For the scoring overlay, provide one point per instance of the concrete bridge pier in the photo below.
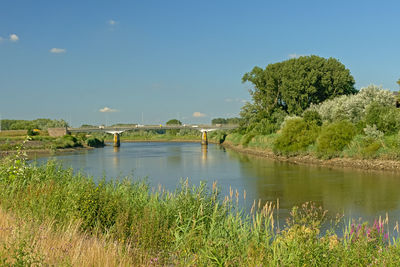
(117, 142)
(204, 140)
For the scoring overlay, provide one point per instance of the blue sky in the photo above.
(176, 59)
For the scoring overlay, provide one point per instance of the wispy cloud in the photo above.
(1, 39)
(238, 100)
(198, 114)
(112, 22)
(58, 50)
(107, 109)
(294, 55)
(14, 37)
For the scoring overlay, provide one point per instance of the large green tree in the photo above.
(292, 85)
(174, 122)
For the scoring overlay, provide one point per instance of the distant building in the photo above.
(57, 132)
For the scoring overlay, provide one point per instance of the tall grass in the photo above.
(191, 226)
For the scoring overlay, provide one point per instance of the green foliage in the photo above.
(312, 117)
(94, 142)
(41, 124)
(386, 118)
(296, 136)
(217, 136)
(262, 126)
(88, 126)
(353, 107)
(334, 137)
(81, 137)
(234, 121)
(174, 122)
(364, 147)
(294, 84)
(31, 132)
(67, 141)
(191, 226)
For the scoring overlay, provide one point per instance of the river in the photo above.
(354, 193)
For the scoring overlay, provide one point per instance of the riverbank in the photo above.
(34, 146)
(364, 164)
(48, 212)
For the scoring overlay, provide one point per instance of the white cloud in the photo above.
(107, 109)
(294, 55)
(1, 39)
(112, 22)
(58, 50)
(14, 37)
(198, 114)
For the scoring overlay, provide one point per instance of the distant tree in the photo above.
(225, 121)
(42, 124)
(88, 126)
(398, 82)
(218, 121)
(174, 122)
(293, 85)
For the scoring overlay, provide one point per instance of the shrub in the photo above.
(217, 136)
(247, 138)
(353, 107)
(81, 136)
(296, 136)
(372, 132)
(94, 142)
(31, 132)
(265, 124)
(67, 141)
(386, 118)
(334, 137)
(312, 116)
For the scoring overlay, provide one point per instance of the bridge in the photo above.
(116, 131)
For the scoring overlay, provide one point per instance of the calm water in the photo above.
(352, 192)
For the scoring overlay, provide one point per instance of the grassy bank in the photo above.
(359, 153)
(11, 141)
(50, 213)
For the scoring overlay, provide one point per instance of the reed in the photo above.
(69, 219)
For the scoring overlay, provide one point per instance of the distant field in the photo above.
(13, 133)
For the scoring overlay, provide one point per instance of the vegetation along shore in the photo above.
(52, 216)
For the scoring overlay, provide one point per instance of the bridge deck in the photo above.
(153, 127)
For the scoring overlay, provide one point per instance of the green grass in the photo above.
(191, 226)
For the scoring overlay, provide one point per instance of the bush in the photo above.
(81, 136)
(94, 142)
(247, 138)
(312, 116)
(264, 125)
(67, 141)
(217, 136)
(31, 132)
(334, 137)
(296, 136)
(353, 107)
(386, 118)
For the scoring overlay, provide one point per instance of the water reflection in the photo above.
(204, 152)
(352, 192)
(115, 158)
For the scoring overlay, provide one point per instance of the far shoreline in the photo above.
(353, 163)
(348, 163)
